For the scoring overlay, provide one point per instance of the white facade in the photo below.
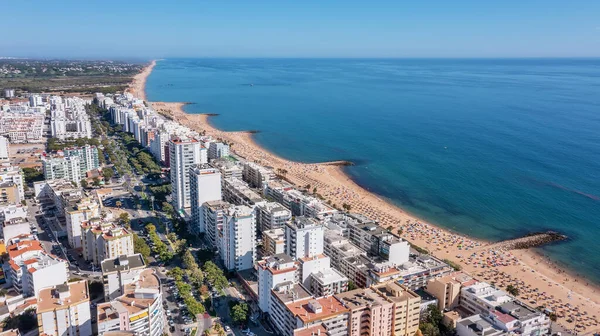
(102, 241)
(68, 118)
(271, 215)
(62, 168)
(205, 186)
(184, 154)
(217, 150)
(13, 174)
(272, 272)
(237, 238)
(482, 297)
(304, 238)
(4, 148)
(213, 215)
(88, 157)
(64, 310)
(84, 210)
(256, 174)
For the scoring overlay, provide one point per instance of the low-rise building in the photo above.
(120, 272)
(64, 310)
(256, 175)
(13, 174)
(9, 193)
(481, 297)
(447, 289)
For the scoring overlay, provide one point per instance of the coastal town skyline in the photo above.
(311, 29)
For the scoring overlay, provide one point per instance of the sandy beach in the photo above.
(541, 283)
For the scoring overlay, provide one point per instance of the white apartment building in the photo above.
(31, 268)
(184, 153)
(237, 238)
(4, 148)
(256, 174)
(273, 242)
(88, 157)
(158, 145)
(15, 227)
(139, 309)
(511, 318)
(481, 297)
(304, 238)
(104, 240)
(62, 167)
(64, 310)
(13, 174)
(271, 215)
(217, 150)
(228, 168)
(84, 210)
(9, 93)
(10, 211)
(272, 272)
(237, 192)
(205, 186)
(68, 118)
(213, 213)
(120, 272)
(22, 124)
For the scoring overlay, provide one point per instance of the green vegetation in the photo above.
(452, 264)
(32, 175)
(161, 191)
(194, 273)
(124, 219)
(351, 285)
(419, 249)
(185, 291)
(239, 312)
(55, 144)
(433, 324)
(140, 246)
(96, 289)
(66, 75)
(161, 248)
(512, 290)
(215, 276)
(24, 322)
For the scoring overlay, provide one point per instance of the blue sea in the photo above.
(490, 148)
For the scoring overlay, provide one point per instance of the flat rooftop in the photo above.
(290, 292)
(312, 310)
(72, 293)
(359, 298)
(122, 263)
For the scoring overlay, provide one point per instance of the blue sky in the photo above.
(302, 28)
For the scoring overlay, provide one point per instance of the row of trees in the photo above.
(159, 246)
(185, 291)
(215, 276)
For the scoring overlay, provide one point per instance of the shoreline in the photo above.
(489, 263)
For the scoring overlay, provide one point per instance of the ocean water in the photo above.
(490, 148)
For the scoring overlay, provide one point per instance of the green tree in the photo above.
(512, 290)
(25, 322)
(84, 183)
(96, 182)
(96, 289)
(239, 313)
(140, 246)
(124, 219)
(108, 173)
(32, 175)
(351, 285)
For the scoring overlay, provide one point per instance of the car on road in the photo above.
(227, 329)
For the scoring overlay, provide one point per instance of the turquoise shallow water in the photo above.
(490, 148)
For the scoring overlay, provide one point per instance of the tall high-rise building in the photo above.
(237, 238)
(184, 153)
(88, 157)
(4, 148)
(272, 271)
(271, 215)
(84, 210)
(304, 238)
(213, 215)
(68, 168)
(205, 185)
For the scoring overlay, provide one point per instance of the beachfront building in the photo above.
(139, 309)
(100, 241)
(13, 174)
(447, 289)
(256, 175)
(88, 157)
(236, 240)
(386, 309)
(217, 150)
(4, 148)
(80, 211)
(236, 191)
(31, 268)
(213, 215)
(271, 215)
(65, 309)
(184, 153)
(273, 242)
(205, 186)
(62, 167)
(304, 238)
(228, 168)
(510, 318)
(273, 271)
(481, 297)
